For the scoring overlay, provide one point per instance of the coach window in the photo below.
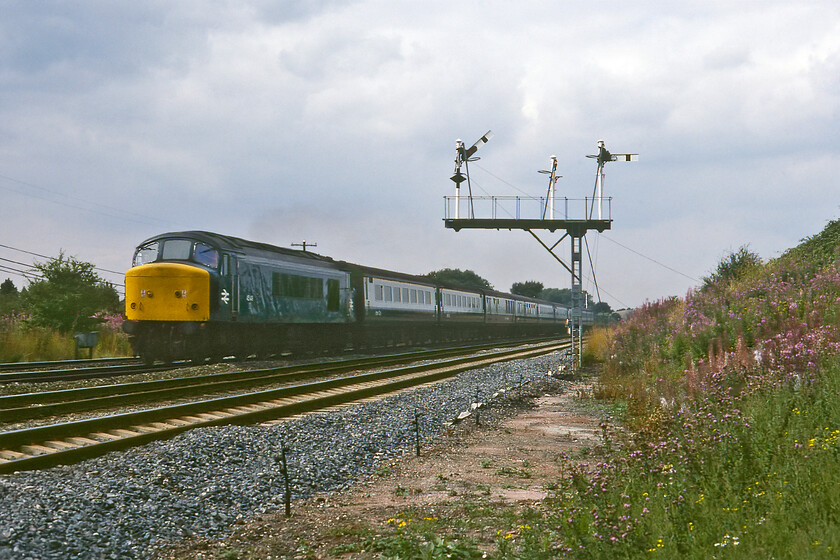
(388, 293)
(333, 295)
(405, 295)
(397, 294)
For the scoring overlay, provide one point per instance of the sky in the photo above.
(335, 123)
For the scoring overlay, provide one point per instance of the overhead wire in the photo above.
(598, 289)
(16, 272)
(31, 272)
(51, 258)
(18, 262)
(594, 281)
(665, 266)
(511, 185)
(88, 206)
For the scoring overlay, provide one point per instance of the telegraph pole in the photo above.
(304, 244)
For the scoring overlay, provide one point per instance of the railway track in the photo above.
(72, 370)
(67, 442)
(74, 373)
(29, 406)
(6, 367)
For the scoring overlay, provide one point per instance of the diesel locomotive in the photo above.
(198, 295)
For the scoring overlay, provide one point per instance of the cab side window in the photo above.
(206, 255)
(146, 253)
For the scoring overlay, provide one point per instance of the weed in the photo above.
(731, 450)
(20, 340)
(484, 489)
(513, 472)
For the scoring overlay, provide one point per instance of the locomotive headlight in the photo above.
(149, 293)
(194, 306)
(133, 305)
(180, 293)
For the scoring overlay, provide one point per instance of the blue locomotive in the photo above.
(198, 295)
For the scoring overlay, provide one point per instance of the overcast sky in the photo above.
(335, 122)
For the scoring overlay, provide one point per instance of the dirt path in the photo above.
(507, 458)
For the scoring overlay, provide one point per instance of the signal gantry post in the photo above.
(549, 213)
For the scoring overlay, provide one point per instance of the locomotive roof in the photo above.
(238, 244)
(230, 243)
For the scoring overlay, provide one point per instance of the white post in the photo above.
(459, 159)
(599, 178)
(551, 188)
(600, 194)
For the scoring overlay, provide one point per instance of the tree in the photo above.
(557, 295)
(563, 296)
(68, 295)
(602, 307)
(7, 288)
(9, 298)
(458, 277)
(733, 267)
(530, 288)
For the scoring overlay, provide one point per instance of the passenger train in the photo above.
(198, 295)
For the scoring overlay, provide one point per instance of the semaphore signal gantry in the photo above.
(573, 216)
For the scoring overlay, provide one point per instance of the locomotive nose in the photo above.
(167, 292)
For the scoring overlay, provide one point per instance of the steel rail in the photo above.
(17, 366)
(27, 406)
(74, 374)
(44, 446)
(13, 375)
